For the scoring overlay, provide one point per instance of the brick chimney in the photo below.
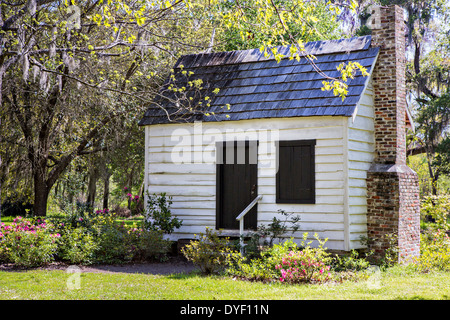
(393, 206)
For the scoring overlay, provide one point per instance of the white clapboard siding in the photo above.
(361, 143)
(182, 165)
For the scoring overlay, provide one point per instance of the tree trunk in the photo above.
(41, 192)
(106, 191)
(434, 182)
(92, 189)
(129, 199)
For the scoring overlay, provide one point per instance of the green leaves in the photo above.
(348, 70)
(210, 252)
(266, 24)
(159, 216)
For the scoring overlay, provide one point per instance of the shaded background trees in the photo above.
(75, 76)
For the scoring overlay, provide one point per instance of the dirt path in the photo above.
(173, 266)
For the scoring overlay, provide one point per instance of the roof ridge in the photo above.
(253, 55)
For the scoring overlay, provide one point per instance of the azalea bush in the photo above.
(309, 265)
(134, 202)
(27, 242)
(289, 263)
(262, 267)
(96, 238)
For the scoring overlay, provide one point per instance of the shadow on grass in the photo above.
(173, 267)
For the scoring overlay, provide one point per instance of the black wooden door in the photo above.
(236, 184)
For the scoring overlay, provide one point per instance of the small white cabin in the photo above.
(270, 131)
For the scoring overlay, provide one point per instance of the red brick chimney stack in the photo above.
(393, 207)
(388, 33)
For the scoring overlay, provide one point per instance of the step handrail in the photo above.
(240, 218)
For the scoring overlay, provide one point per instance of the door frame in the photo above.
(220, 178)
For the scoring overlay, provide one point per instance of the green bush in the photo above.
(263, 266)
(159, 216)
(27, 243)
(434, 252)
(148, 244)
(77, 246)
(210, 252)
(287, 262)
(117, 243)
(96, 239)
(113, 243)
(351, 262)
(438, 209)
(277, 229)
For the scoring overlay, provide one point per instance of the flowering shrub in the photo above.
(134, 202)
(288, 263)
(307, 265)
(95, 239)
(27, 243)
(103, 211)
(262, 267)
(310, 265)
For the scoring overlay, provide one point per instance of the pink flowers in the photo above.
(133, 198)
(130, 195)
(21, 225)
(302, 266)
(104, 211)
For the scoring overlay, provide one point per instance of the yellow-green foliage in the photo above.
(210, 252)
(434, 252)
(438, 208)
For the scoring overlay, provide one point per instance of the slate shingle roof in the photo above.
(258, 87)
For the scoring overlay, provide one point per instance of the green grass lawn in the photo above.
(394, 284)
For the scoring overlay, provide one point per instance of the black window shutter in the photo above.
(295, 180)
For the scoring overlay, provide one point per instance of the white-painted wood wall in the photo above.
(344, 151)
(361, 151)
